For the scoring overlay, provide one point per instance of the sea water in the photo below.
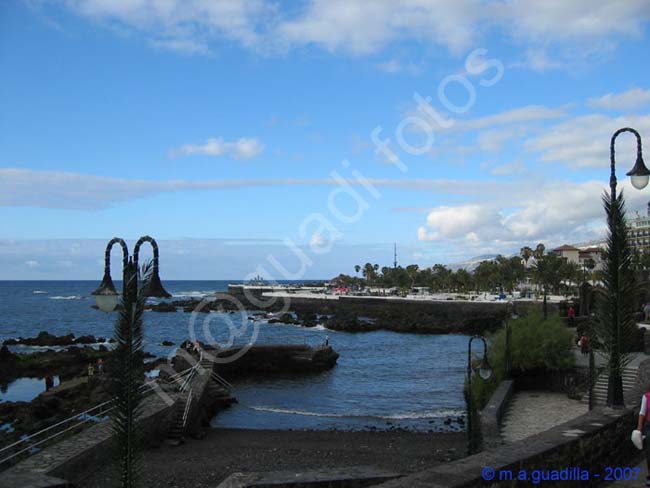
(383, 380)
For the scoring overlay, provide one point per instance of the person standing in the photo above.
(644, 426)
(572, 317)
(100, 366)
(584, 344)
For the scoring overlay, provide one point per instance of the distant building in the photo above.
(638, 231)
(570, 253)
(593, 253)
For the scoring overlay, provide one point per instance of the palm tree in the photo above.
(615, 324)
(412, 271)
(357, 268)
(539, 250)
(547, 271)
(127, 374)
(589, 264)
(526, 253)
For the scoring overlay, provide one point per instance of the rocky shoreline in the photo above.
(67, 357)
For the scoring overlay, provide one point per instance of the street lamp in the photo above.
(639, 176)
(485, 372)
(508, 358)
(106, 296)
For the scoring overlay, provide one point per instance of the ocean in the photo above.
(383, 380)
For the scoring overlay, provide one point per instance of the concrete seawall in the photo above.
(361, 314)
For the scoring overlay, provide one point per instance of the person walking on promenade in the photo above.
(100, 366)
(644, 427)
(584, 344)
(572, 317)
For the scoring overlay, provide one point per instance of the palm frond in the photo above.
(615, 325)
(127, 375)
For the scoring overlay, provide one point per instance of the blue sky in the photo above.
(221, 128)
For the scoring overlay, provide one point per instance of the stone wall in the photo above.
(493, 412)
(593, 441)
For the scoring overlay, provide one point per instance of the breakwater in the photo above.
(364, 314)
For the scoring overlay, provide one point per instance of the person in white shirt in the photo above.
(644, 427)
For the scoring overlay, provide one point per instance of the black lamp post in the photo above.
(484, 371)
(508, 358)
(106, 295)
(639, 176)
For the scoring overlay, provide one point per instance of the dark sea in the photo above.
(383, 380)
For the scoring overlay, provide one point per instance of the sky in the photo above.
(295, 139)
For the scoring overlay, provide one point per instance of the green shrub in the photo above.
(535, 344)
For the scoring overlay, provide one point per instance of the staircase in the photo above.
(628, 374)
(177, 429)
(217, 388)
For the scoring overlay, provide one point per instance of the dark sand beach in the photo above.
(207, 462)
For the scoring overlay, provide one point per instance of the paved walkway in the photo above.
(532, 412)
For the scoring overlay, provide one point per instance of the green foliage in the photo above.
(615, 326)
(535, 344)
(127, 375)
(496, 275)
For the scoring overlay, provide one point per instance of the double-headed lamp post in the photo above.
(639, 176)
(106, 296)
(484, 371)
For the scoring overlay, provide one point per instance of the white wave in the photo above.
(39, 292)
(194, 294)
(70, 297)
(398, 416)
(298, 412)
(424, 415)
(320, 327)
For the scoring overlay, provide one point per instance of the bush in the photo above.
(535, 344)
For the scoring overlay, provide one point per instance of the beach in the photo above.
(206, 462)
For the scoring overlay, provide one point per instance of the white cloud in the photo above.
(394, 66)
(359, 27)
(52, 189)
(555, 213)
(538, 59)
(583, 141)
(181, 23)
(31, 263)
(242, 148)
(571, 20)
(184, 46)
(519, 115)
(318, 241)
(454, 222)
(493, 140)
(630, 100)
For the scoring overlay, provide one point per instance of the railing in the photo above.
(221, 381)
(188, 403)
(29, 443)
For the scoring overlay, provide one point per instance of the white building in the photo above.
(638, 231)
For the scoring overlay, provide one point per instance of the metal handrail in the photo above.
(81, 417)
(222, 381)
(188, 402)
